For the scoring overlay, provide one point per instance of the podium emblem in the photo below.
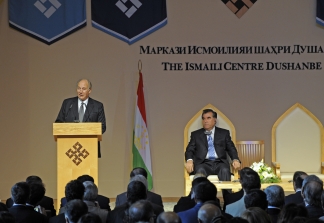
(239, 7)
(76, 153)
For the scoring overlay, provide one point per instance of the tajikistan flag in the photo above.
(141, 144)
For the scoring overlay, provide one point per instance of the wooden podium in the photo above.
(77, 152)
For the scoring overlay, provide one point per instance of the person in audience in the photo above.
(89, 198)
(168, 217)
(299, 220)
(230, 198)
(210, 213)
(74, 210)
(203, 192)
(136, 191)
(37, 192)
(298, 179)
(73, 190)
(141, 211)
(22, 213)
(152, 197)
(250, 180)
(312, 192)
(256, 198)
(102, 200)
(188, 202)
(322, 203)
(290, 211)
(90, 218)
(237, 220)
(3, 207)
(46, 202)
(276, 201)
(256, 215)
(6, 217)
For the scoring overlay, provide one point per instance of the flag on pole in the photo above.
(141, 144)
(320, 12)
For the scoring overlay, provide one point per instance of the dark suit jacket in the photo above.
(184, 203)
(58, 219)
(102, 200)
(231, 198)
(152, 197)
(314, 212)
(117, 215)
(198, 146)
(190, 216)
(94, 113)
(46, 203)
(295, 198)
(273, 213)
(26, 214)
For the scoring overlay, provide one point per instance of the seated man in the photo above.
(152, 197)
(256, 198)
(276, 201)
(141, 211)
(21, 212)
(207, 150)
(250, 181)
(74, 210)
(73, 190)
(45, 202)
(37, 191)
(312, 192)
(89, 198)
(102, 200)
(298, 179)
(210, 213)
(136, 191)
(204, 191)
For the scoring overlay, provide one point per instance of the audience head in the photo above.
(74, 190)
(244, 171)
(37, 192)
(168, 217)
(312, 192)
(74, 209)
(139, 178)
(298, 183)
(251, 180)
(138, 171)
(6, 217)
(90, 218)
(208, 213)
(85, 178)
(312, 178)
(205, 191)
(290, 211)
(256, 215)
(141, 211)
(275, 196)
(195, 182)
(33, 179)
(20, 193)
(256, 198)
(90, 192)
(136, 191)
(299, 220)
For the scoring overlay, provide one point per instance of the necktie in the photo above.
(211, 148)
(81, 112)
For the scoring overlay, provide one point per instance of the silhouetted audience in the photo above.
(90, 218)
(256, 198)
(6, 217)
(298, 179)
(312, 192)
(209, 213)
(141, 211)
(168, 217)
(74, 210)
(256, 215)
(21, 212)
(290, 212)
(276, 201)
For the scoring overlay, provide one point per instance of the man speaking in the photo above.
(82, 108)
(206, 151)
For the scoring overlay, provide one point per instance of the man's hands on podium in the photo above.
(236, 164)
(189, 166)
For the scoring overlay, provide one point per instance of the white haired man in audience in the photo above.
(90, 197)
(276, 201)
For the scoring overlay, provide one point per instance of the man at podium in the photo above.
(83, 108)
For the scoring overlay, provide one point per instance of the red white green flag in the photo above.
(141, 144)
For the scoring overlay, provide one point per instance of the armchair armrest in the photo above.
(276, 167)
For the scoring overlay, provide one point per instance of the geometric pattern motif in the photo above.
(239, 7)
(128, 11)
(76, 153)
(48, 12)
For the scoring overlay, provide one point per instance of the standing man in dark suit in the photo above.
(207, 149)
(82, 108)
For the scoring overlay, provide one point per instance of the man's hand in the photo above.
(236, 164)
(189, 166)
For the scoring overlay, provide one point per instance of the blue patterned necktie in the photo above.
(211, 148)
